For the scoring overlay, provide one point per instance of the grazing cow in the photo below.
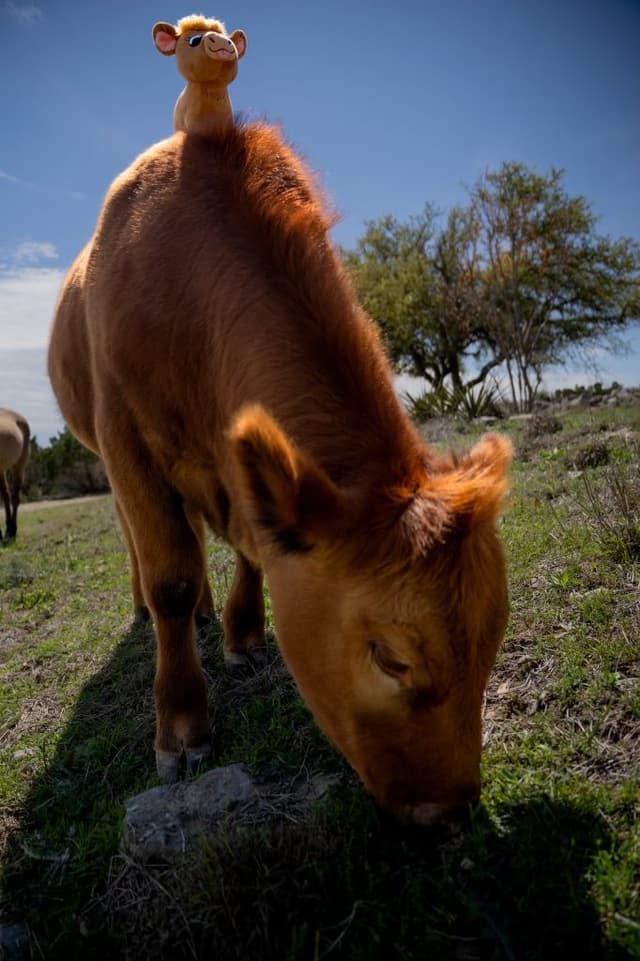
(14, 454)
(208, 345)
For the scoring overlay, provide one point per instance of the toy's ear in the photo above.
(165, 38)
(240, 40)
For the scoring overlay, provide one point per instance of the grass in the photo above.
(549, 864)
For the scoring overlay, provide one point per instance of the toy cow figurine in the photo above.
(208, 60)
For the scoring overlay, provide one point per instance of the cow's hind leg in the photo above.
(243, 613)
(141, 613)
(171, 570)
(4, 491)
(205, 609)
(14, 492)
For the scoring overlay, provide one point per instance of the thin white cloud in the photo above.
(27, 300)
(60, 191)
(5, 176)
(25, 14)
(29, 288)
(33, 251)
(25, 387)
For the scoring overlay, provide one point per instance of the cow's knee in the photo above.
(175, 599)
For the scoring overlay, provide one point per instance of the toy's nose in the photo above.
(219, 48)
(220, 43)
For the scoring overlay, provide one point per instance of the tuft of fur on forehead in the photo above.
(196, 21)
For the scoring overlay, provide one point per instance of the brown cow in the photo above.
(14, 454)
(209, 346)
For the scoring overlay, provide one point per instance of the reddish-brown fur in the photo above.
(208, 344)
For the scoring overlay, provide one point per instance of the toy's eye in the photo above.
(194, 41)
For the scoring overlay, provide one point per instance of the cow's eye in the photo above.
(385, 660)
(194, 41)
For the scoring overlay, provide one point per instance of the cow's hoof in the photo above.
(234, 661)
(196, 756)
(168, 766)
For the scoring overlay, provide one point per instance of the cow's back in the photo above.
(128, 330)
(211, 283)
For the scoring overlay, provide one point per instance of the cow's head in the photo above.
(389, 605)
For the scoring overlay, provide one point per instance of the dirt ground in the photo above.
(60, 502)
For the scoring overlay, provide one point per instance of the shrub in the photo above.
(595, 454)
(612, 510)
(544, 424)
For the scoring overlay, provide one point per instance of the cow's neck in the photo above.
(347, 416)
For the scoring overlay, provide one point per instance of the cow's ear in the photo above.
(288, 497)
(474, 490)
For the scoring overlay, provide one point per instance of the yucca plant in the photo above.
(431, 403)
(471, 402)
(480, 401)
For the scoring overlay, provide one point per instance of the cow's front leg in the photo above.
(171, 573)
(179, 688)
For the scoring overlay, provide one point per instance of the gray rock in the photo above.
(166, 821)
(521, 417)
(625, 396)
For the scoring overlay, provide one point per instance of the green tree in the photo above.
(552, 286)
(64, 467)
(422, 283)
(517, 277)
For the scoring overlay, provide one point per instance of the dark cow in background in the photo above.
(208, 345)
(14, 455)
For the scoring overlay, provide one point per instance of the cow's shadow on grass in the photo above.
(345, 884)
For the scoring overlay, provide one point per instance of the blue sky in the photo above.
(393, 105)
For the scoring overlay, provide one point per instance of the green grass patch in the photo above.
(547, 867)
